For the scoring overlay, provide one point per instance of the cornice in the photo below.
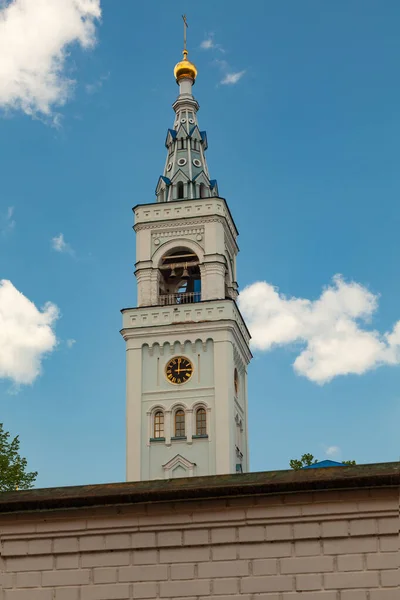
(183, 331)
(190, 222)
(188, 204)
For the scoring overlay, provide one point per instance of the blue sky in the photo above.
(304, 144)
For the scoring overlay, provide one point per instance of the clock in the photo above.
(179, 370)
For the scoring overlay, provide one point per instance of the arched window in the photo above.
(180, 190)
(158, 424)
(179, 277)
(180, 423)
(203, 191)
(201, 421)
(161, 196)
(182, 145)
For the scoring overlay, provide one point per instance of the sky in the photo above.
(300, 101)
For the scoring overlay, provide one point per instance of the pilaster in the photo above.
(133, 412)
(224, 408)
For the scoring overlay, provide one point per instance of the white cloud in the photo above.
(93, 88)
(207, 44)
(328, 329)
(7, 222)
(34, 39)
(70, 343)
(59, 244)
(332, 451)
(232, 78)
(26, 335)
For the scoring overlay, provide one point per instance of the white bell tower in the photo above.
(187, 344)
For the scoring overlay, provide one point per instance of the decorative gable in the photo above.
(204, 138)
(195, 134)
(202, 178)
(182, 132)
(214, 187)
(178, 467)
(180, 176)
(163, 182)
(171, 137)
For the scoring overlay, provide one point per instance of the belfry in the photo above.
(187, 344)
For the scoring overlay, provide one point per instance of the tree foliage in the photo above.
(305, 461)
(13, 467)
(308, 459)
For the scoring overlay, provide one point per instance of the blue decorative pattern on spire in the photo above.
(186, 161)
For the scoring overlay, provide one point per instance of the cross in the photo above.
(185, 26)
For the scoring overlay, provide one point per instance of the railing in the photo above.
(179, 298)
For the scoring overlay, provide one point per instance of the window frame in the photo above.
(180, 189)
(181, 413)
(201, 424)
(158, 427)
(236, 382)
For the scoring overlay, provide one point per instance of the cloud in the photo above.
(332, 451)
(328, 330)
(35, 36)
(207, 44)
(7, 223)
(93, 88)
(26, 335)
(59, 244)
(232, 78)
(70, 343)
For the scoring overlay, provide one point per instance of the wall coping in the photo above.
(217, 486)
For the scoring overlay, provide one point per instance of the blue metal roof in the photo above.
(325, 463)
(213, 183)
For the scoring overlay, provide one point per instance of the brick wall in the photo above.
(310, 546)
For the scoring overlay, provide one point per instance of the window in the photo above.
(180, 190)
(159, 424)
(236, 382)
(161, 196)
(203, 191)
(201, 421)
(180, 423)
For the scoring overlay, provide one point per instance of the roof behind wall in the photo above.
(218, 486)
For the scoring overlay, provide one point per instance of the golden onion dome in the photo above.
(185, 68)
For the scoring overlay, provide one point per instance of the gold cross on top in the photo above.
(185, 26)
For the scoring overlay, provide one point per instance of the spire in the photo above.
(186, 173)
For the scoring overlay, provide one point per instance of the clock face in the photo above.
(179, 370)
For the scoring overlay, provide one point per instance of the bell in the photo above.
(173, 274)
(185, 274)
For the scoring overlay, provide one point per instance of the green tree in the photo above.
(305, 461)
(13, 468)
(308, 459)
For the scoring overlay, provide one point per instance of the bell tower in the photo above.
(187, 344)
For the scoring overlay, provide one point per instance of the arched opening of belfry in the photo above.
(179, 277)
